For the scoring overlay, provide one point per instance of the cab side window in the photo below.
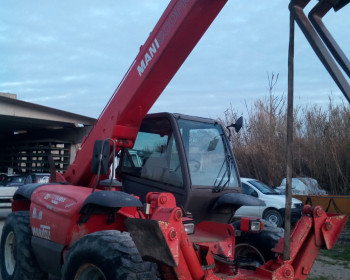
(248, 190)
(154, 155)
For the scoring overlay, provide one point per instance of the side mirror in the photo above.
(212, 145)
(237, 125)
(100, 157)
(255, 194)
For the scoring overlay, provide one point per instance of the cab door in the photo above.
(154, 163)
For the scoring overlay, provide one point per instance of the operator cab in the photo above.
(189, 157)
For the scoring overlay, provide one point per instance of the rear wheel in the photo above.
(106, 255)
(16, 256)
(274, 217)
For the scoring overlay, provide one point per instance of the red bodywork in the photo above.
(55, 213)
(207, 254)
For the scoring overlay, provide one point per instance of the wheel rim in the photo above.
(247, 250)
(273, 219)
(10, 249)
(90, 272)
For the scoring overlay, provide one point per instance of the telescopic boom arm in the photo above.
(175, 35)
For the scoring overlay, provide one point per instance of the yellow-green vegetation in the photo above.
(340, 254)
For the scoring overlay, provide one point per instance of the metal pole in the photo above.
(287, 223)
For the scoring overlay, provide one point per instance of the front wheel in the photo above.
(16, 255)
(106, 255)
(273, 216)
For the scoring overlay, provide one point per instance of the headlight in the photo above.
(189, 228)
(256, 226)
(251, 225)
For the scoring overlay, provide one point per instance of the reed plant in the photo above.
(321, 142)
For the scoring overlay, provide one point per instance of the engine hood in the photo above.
(280, 198)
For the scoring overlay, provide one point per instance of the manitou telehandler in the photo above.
(169, 214)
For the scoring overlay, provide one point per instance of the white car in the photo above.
(8, 186)
(6, 194)
(10, 183)
(274, 210)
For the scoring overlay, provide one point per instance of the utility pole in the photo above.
(287, 223)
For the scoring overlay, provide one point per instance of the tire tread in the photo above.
(26, 267)
(116, 255)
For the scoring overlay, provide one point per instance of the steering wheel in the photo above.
(193, 165)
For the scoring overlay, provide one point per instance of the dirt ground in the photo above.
(327, 267)
(324, 269)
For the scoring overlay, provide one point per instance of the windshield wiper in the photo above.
(217, 188)
(228, 161)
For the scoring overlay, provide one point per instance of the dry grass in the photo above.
(321, 143)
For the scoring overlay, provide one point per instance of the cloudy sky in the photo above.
(71, 55)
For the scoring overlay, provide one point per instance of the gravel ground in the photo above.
(324, 269)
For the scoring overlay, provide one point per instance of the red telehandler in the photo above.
(169, 214)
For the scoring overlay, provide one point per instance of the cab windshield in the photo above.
(209, 157)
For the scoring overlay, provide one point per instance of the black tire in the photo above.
(108, 255)
(274, 217)
(264, 241)
(17, 258)
(247, 256)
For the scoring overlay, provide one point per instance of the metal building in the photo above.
(29, 133)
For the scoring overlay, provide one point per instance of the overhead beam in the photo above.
(13, 107)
